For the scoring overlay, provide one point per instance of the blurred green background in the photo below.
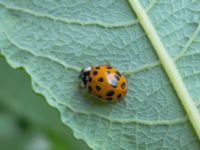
(27, 122)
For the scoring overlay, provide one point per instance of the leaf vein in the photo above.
(78, 22)
(188, 44)
(123, 121)
(44, 56)
(114, 120)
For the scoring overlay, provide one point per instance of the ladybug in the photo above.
(104, 82)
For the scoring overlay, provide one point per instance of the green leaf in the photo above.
(54, 40)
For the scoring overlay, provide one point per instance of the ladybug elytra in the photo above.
(104, 82)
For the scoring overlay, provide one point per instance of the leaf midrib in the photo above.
(168, 65)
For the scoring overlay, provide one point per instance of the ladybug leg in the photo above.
(125, 74)
(124, 101)
(82, 85)
(79, 87)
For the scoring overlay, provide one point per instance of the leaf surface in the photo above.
(54, 40)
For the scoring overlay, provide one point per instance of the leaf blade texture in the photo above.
(53, 41)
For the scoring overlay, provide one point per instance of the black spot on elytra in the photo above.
(108, 72)
(114, 86)
(123, 85)
(117, 77)
(98, 88)
(108, 67)
(119, 74)
(100, 79)
(99, 96)
(119, 96)
(110, 93)
(95, 73)
(109, 98)
(97, 67)
(89, 89)
(90, 79)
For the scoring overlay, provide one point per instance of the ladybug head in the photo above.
(84, 75)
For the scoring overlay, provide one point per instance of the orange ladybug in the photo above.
(104, 82)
